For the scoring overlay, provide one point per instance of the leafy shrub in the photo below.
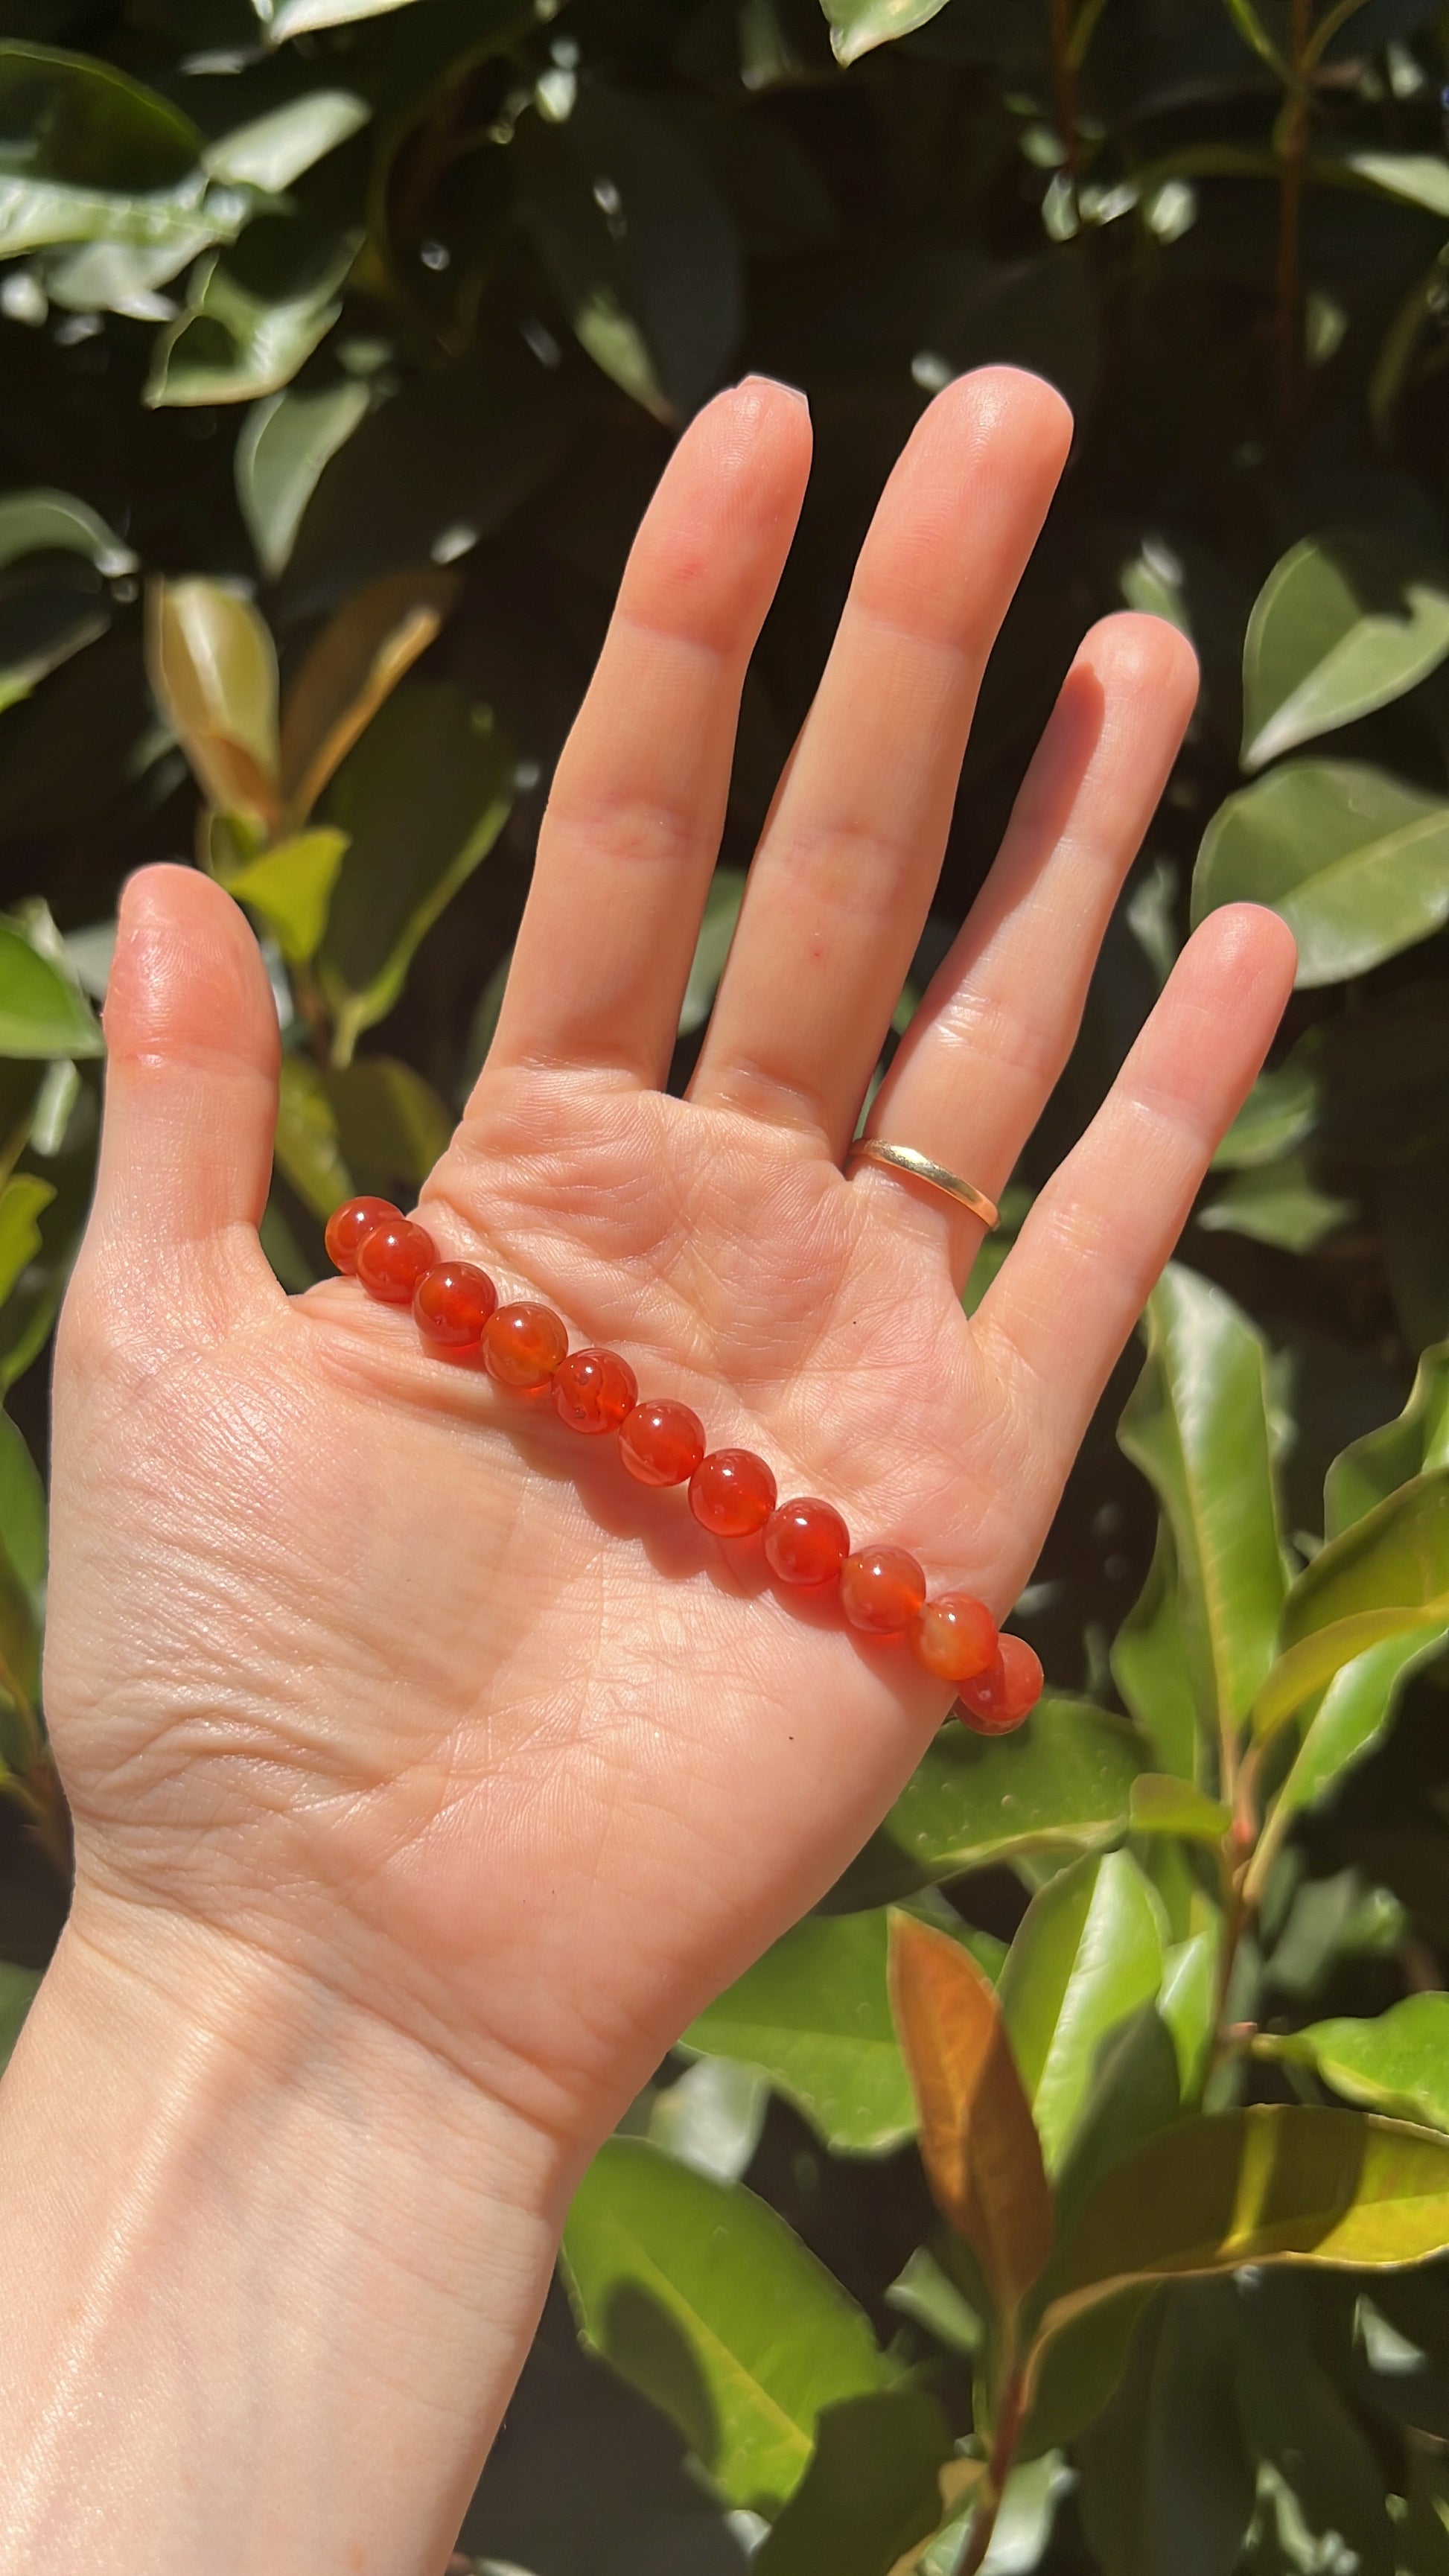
(344, 341)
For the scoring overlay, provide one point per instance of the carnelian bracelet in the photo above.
(732, 1492)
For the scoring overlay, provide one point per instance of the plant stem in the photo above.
(998, 2470)
(1292, 147)
(1064, 78)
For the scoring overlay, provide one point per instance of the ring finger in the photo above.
(997, 1024)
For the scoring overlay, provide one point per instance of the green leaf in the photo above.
(717, 929)
(46, 522)
(1060, 1782)
(213, 667)
(284, 444)
(1395, 1557)
(1263, 2185)
(1167, 2482)
(290, 885)
(1080, 2369)
(1372, 1468)
(1196, 1423)
(1353, 1714)
(1187, 2001)
(424, 797)
(1164, 1804)
(1343, 624)
(274, 150)
(978, 2144)
(1331, 1920)
(871, 2490)
(1422, 178)
(1356, 863)
(1134, 2091)
(22, 1511)
(814, 2016)
(42, 1013)
(1250, 27)
(86, 151)
(286, 18)
(306, 1146)
(703, 2299)
(253, 316)
(46, 616)
(1312, 1664)
(858, 26)
(926, 2292)
(712, 2117)
(1294, 2415)
(1280, 1112)
(1277, 1203)
(18, 1988)
(355, 663)
(1398, 2064)
(391, 1125)
(1150, 1662)
(21, 1201)
(1088, 1952)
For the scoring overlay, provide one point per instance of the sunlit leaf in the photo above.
(712, 2117)
(1342, 625)
(1394, 1557)
(1134, 2090)
(1398, 2064)
(978, 2142)
(1310, 1665)
(281, 451)
(1356, 863)
(274, 150)
(43, 522)
(1374, 1467)
(1150, 1662)
(254, 313)
(1353, 1713)
(857, 26)
(1060, 1782)
(716, 930)
(22, 1198)
(1088, 1952)
(391, 1125)
(87, 152)
(1277, 1203)
(814, 2015)
(355, 663)
(1420, 177)
(287, 18)
(1278, 1114)
(1187, 2001)
(213, 667)
(1164, 1804)
(290, 885)
(306, 1146)
(701, 2297)
(42, 1013)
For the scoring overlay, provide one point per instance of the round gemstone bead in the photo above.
(392, 1258)
(732, 1493)
(523, 1346)
(661, 1443)
(955, 1637)
(881, 1590)
(1002, 1696)
(594, 1390)
(349, 1226)
(451, 1304)
(806, 1541)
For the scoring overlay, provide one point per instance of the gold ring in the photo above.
(919, 1167)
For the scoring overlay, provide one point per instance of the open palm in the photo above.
(362, 1662)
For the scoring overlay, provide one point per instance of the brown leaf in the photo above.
(357, 660)
(978, 2142)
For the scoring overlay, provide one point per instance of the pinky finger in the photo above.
(1068, 1295)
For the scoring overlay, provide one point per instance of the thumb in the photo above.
(191, 1103)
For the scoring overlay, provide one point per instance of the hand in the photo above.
(359, 1665)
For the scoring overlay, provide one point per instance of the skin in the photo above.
(428, 1775)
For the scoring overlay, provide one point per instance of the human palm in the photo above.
(358, 1659)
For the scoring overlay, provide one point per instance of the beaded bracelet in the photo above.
(732, 1492)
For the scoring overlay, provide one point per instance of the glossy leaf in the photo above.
(1150, 1663)
(1355, 862)
(978, 2142)
(716, 930)
(1197, 1425)
(424, 796)
(284, 19)
(284, 444)
(1024, 2519)
(290, 885)
(1163, 1804)
(46, 522)
(926, 2292)
(1060, 1783)
(391, 1125)
(814, 2016)
(1343, 624)
(712, 2117)
(1088, 1952)
(42, 1013)
(858, 26)
(1308, 1667)
(1256, 2186)
(22, 1511)
(214, 670)
(1398, 2064)
(870, 2493)
(1187, 2001)
(1277, 1203)
(1279, 1113)
(1133, 2091)
(1296, 2416)
(703, 2299)
(274, 150)
(1395, 1557)
(87, 151)
(307, 1148)
(22, 1198)
(1374, 1467)
(1167, 2479)
(355, 663)
(1353, 1713)
(1420, 177)
(254, 314)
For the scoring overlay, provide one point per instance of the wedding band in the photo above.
(919, 1167)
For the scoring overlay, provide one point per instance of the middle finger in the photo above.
(845, 872)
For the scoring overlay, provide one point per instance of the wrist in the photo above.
(232, 2203)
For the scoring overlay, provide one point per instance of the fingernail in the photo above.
(776, 385)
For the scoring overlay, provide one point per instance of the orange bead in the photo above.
(391, 1260)
(1003, 1695)
(881, 1590)
(732, 1493)
(661, 1443)
(451, 1304)
(594, 1390)
(806, 1541)
(349, 1226)
(523, 1346)
(955, 1637)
